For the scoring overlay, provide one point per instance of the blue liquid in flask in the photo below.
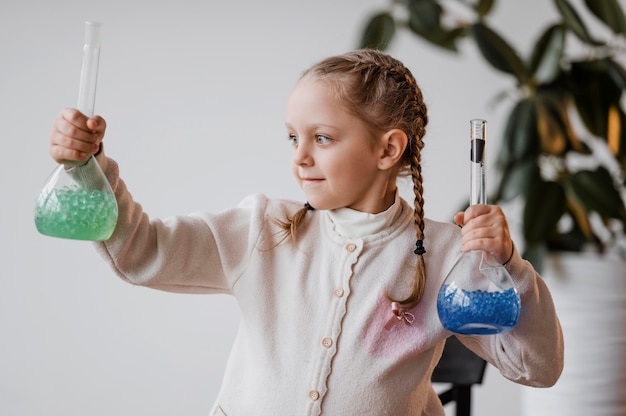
(477, 312)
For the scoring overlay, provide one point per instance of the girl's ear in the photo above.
(394, 142)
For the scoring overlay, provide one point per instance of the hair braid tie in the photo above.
(419, 250)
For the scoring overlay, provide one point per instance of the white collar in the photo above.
(350, 223)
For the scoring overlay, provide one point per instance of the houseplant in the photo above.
(562, 156)
(568, 108)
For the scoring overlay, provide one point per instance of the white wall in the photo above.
(194, 96)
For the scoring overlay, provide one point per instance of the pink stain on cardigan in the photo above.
(394, 333)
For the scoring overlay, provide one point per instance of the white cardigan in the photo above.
(317, 335)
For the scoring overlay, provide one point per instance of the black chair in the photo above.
(461, 368)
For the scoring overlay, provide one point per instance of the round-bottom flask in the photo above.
(478, 296)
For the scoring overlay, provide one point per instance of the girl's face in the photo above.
(334, 159)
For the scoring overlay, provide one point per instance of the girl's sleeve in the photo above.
(198, 253)
(532, 352)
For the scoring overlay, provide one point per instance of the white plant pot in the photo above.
(590, 296)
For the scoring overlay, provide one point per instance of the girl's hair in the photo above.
(381, 92)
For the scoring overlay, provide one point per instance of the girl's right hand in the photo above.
(75, 137)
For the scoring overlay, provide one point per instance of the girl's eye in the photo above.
(322, 139)
(293, 139)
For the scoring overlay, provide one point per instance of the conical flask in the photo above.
(77, 201)
(478, 296)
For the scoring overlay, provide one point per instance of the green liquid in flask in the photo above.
(77, 214)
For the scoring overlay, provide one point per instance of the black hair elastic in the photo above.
(309, 206)
(419, 250)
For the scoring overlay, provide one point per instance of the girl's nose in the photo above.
(302, 155)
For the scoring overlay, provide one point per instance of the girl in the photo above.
(337, 295)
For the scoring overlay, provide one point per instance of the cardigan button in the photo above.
(314, 395)
(350, 247)
(327, 342)
(338, 292)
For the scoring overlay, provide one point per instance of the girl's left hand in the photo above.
(484, 227)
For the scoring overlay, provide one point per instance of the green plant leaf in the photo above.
(425, 21)
(595, 191)
(617, 72)
(498, 52)
(378, 32)
(516, 178)
(545, 205)
(557, 136)
(424, 15)
(483, 7)
(594, 92)
(619, 149)
(572, 240)
(582, 222)
(610, 12)
(552, 130)
(545, 60)
(574, 22)
(442, 38)
(520, 137)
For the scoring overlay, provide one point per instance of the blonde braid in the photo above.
(419, 282)
(415, 147)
